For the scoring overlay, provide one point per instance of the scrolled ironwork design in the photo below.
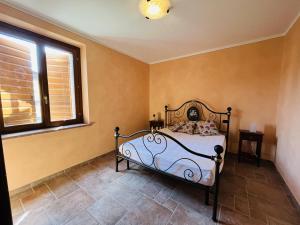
(154, 137)
(128, 152)
(212, 117)
(181, 114)
(188, 173)
(159, 139)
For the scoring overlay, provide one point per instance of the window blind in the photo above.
(19, 82)
(60, 84)
(40, 81)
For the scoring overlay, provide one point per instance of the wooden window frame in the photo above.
(42, 41)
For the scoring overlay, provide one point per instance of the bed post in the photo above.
(218, 159)
(128, 167)
(166, 116)
(228, 123)
(117, 147)
(206, 195)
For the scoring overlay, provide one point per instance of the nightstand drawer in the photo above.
(249, 137)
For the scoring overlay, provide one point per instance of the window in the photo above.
(40, 81)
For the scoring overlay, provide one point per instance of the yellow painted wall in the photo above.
(245, 78)
(115, 89)
(288, 129)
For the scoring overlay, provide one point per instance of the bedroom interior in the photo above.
(165, 101)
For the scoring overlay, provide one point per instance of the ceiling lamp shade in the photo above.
(155, 9)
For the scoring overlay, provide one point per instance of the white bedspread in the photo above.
(174, 159)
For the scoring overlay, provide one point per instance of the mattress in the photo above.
(162, 153)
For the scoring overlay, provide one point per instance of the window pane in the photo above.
(60, 84)
(19, 82)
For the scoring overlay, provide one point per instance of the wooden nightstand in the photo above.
(156, 124)
(251, 136)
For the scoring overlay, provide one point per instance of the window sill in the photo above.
(42, 131)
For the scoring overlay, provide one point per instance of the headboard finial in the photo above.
(116, 131)
(229, 110)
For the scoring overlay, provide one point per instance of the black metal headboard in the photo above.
(195, 110)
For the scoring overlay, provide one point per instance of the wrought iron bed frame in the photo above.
(160, 138)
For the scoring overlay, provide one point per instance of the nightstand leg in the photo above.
(240, 149)
(258, 153)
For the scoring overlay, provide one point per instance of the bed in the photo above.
(191, 158)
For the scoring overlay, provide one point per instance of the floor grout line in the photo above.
(50, 190)
(173, 212)
(150, 178)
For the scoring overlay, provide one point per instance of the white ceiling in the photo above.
(193, 26)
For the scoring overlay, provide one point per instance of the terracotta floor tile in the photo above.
(164, 180)
(170, 204)
(80, 172)
(135, 179)
(268, 192)
(90, 182)
(164, 194)
(146, 212)
(260, 209)
(245, 170)
(241, 205)
(108, 174)
(271, 174)
(83, 218)
(95, 194)
(22, 194)
(104, 162)
(226, 199)
(68, 207)
(16, 206)
(229, 217)
(33, 217)
(107, 211)
(260, 177)
(62, 185)
(275, 179)
(151, 189)
(233, 185)
(186, 216)
(192, 197)
(124, 194)
(41, 197)
(274, 221)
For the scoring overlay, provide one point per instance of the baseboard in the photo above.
(38, 182)
(43, 180)
(290, 194)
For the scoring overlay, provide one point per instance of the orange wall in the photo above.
(245, 77)
(115, 89)
(288, 129)
(116, 92)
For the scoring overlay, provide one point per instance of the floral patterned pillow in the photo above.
(176, 126)
(206, 128)
(199, 127)
(188, 128)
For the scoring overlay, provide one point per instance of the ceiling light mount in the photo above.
(155, 9)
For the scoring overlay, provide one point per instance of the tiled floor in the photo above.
(94, 194)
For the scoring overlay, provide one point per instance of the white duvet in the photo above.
(173, 159)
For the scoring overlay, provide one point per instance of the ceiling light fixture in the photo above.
(155, 9)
